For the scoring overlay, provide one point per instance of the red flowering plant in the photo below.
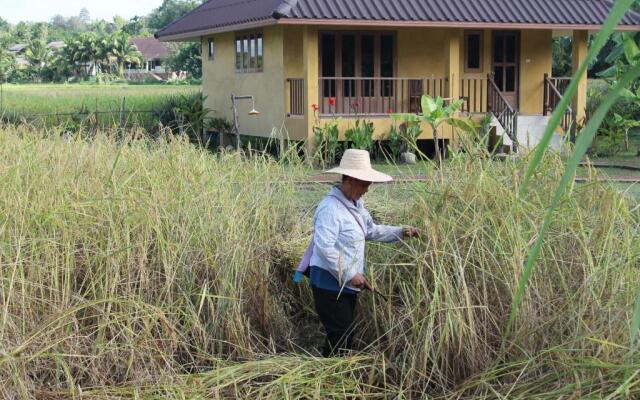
(326, 136)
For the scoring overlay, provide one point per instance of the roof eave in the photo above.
(195, 35)
(448, 24)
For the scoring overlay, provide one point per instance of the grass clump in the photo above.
(152, 269)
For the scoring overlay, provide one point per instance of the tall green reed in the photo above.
(582, 145)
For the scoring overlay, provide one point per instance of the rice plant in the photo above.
(153, 269)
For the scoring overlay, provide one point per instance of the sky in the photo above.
(15, 11)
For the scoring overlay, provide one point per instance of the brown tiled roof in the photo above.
(216, 15)
(151, 48)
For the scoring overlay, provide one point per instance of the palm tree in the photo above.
(7, 64)
(38, 55)
(89, 49)
(123, 51)
(70, 53)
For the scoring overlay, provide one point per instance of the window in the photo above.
(386, 64)
(473, 52)
(249, 52)
(368, 55)
(212, 49)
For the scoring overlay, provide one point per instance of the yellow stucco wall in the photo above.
(420, 52)
(535, 61)
(220, 80)
(292, 52)
(579, 53)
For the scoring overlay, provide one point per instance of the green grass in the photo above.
(153, 269)
(53, 98)
(629, 156)
(631, 190)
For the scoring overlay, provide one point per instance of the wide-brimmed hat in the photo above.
(357, 164)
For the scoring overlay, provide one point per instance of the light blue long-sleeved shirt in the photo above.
(339, 240)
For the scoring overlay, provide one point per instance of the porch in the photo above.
(363, 74)
(382, 97)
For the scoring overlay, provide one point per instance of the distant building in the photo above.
(22, 63)
(17, 49)
(56, 46)
(154, 52)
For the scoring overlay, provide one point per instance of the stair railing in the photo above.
(498, 105)
(552, 97)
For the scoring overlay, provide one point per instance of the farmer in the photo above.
(336, 267)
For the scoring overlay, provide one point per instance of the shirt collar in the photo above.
(335, 191)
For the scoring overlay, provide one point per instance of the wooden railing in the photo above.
(376, 96)
(560, 83)
(503, 111)
(296, 97)
(473, 91)
(552, 96)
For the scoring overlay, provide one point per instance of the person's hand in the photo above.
(360, 282)
(410, 232)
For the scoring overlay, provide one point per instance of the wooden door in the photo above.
(506, 65)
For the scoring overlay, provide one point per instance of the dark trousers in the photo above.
(337, 315)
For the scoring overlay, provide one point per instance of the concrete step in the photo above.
(530, 132)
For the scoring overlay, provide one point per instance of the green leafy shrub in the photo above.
(395, 142)
(598, 90)
(327, 142)
(184, 113)
(361, 135)
(410, 131)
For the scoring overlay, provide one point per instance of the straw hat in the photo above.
(357, 164)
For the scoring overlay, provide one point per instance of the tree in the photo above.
(75, 24)
(60, 67)
(188, 59)
(22, 32)
(70, 55)
(40, 31)
(84, 16)
(119, 22)
(59, 21)
(38, 55)
(4, 25)
(562, 62)
(7, 64)
(136, 26)
(123, 51)
(435, 113)
(625, 54)
(169, 11)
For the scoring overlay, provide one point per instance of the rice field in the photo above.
(148, 269)
(64, 98)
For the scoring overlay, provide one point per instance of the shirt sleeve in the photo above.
(381, 233)
(327, 228)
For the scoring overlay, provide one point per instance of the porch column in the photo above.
(579, 53)
(452, 63)
(452, 73)
(311, 68)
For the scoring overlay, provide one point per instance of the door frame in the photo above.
(517, 60)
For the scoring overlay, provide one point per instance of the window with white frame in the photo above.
(212, 49)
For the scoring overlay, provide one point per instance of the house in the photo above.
(56, 46)
(154, 52)
(371, 58)
(17, 49)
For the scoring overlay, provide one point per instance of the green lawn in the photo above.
(64, 98)
(626, 156)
